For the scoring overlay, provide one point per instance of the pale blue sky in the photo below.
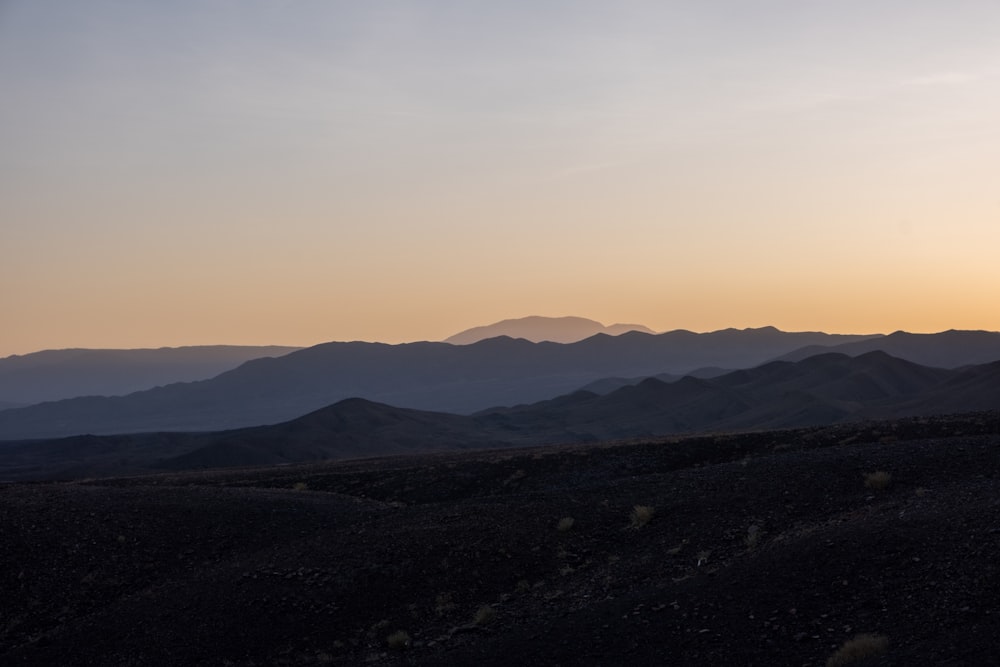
(292, 172)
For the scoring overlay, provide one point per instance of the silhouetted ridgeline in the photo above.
(537, 329)
(948, 349)
(427, 376)
(825, 389)
(52, 375)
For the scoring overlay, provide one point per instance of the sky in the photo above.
(294, 172)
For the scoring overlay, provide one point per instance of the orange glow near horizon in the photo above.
(175, 176)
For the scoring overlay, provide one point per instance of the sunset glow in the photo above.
(297, 172)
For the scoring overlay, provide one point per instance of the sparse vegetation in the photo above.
(350, 571)
(565, 524)
(443, 603)
(641, 515)
(858, 648)
(515, 476)
(484, 615)
(300, 486)
(753, 537)
(398, 640)
(878, 480)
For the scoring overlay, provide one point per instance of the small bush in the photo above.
(398, 640)
(878, 480)
(753, 537)
(443, 604)
(300, 486)
(515, 476)
(565, 524)
(641, 515)
(484, 615)
(857, 648)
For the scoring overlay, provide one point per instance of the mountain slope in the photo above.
(51, 375)
(348, 429)
(822, 390)
(608, 385)
(351, 428)
(947, 349)
(426, 376)
(537, 329)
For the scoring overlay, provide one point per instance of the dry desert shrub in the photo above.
(753, 537)
(484, 615)
(515, 476)
(444, 603)
(300, 486)
(857, 648)
(398, 640)
(878, 480)
(641, 515)
(565, 524)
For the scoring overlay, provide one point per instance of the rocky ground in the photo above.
(752, 549)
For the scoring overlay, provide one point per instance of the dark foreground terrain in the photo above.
(761, 549)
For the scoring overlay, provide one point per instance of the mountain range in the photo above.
(825, 389)
(425, 376)
(947, 349)
(537, 329)
(51, 375)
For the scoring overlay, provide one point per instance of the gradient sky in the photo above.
(292, 172)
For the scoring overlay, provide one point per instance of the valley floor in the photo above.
(759, 549)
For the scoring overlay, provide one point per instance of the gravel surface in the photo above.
(762, 549)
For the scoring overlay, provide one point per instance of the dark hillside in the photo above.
(822, 390)
(52, 375)
(947, 349)
(425, 376)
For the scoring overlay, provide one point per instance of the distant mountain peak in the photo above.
(537, 328)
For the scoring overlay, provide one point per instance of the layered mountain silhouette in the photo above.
(948, 349)
(608, 385)
(426, 376)
(537, 329)
(825, 389)
(51, 375)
